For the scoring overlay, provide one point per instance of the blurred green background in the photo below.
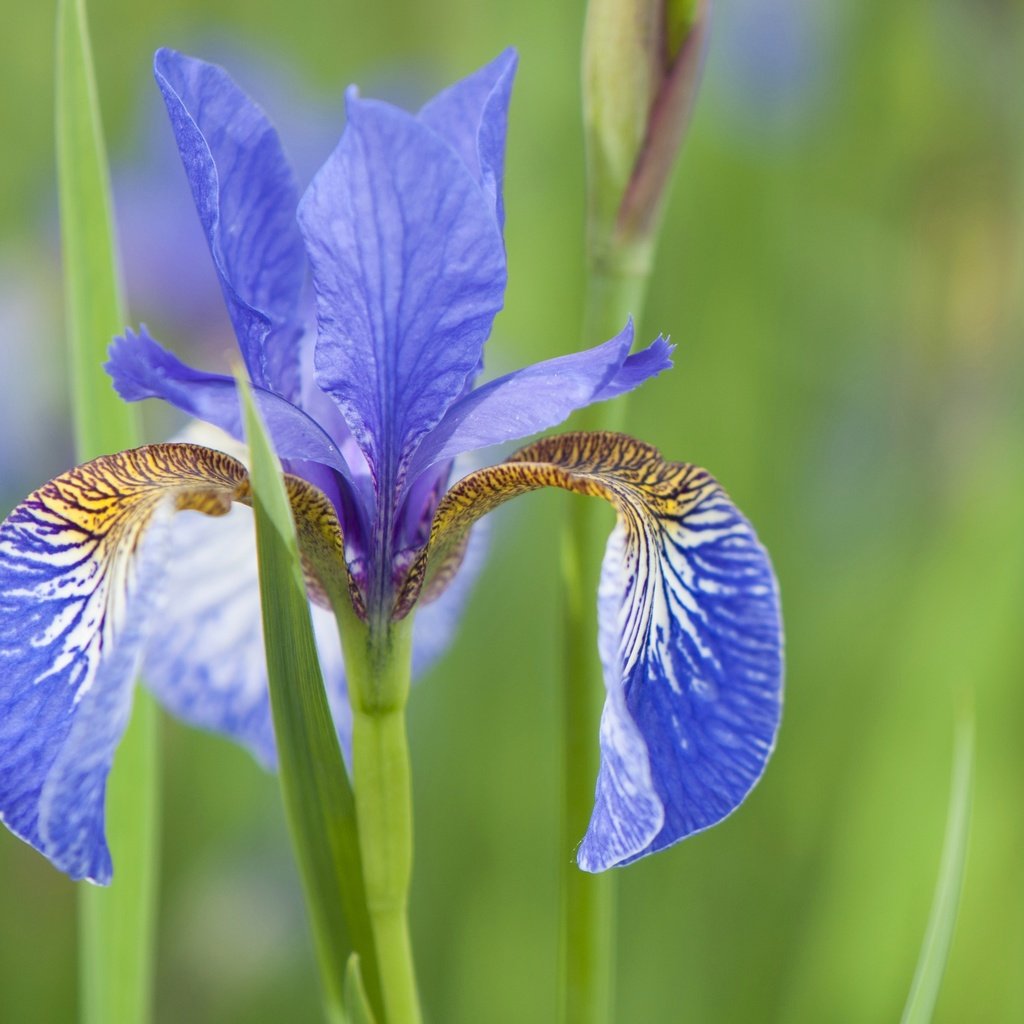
(841, 269)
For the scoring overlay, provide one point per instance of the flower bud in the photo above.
(641, 66)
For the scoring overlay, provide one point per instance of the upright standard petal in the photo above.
(80, 566)
(409, 272)
(690, 630)
(246, 196)
(472, 117)
(540, 396)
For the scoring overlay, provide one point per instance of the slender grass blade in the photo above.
(931, 964)
(116, 925)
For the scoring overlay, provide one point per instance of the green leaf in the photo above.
(116, 924)
(92, 291)
(357, 1007)
(318, 798)
(931, 964)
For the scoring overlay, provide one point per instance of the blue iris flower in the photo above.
(369, 403)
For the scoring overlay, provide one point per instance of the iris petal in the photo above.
(472, 117)
(409, 272)
(142, 368)
(690, 634)
(79, 575)
(690, 622)
(205, 657)
(540, 396)
(246, 196)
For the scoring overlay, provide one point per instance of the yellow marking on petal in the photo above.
(97, 513)
(630, 474)
(322, 545)
(113, 496)
(71, 546)
(445, 572)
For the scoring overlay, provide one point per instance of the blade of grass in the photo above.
(92, 289)
(117, 924)
(318, 799)
(931, 964)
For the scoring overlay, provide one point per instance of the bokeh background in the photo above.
(841, 269)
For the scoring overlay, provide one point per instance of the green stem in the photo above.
(616, 283)
(384, 809)
(588, 901)
(378, 667)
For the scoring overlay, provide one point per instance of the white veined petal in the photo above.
(690, 634)
(691, 638)
(81, 561)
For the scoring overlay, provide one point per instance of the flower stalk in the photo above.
(378, 664)
(641, 64)
(588, 901)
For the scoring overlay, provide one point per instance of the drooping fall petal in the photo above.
(81, 561)
(205, 658)
(690, 634)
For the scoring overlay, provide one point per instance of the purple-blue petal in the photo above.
(409, 273)
(540, 396)
(204, 660)
(636, 369)
(472, 117)
(246, 196)
(69, 647)
(142, 368)
(691, 642)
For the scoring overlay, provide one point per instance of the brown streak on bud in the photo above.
(667, 122)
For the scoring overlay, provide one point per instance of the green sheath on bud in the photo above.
(641, 65)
